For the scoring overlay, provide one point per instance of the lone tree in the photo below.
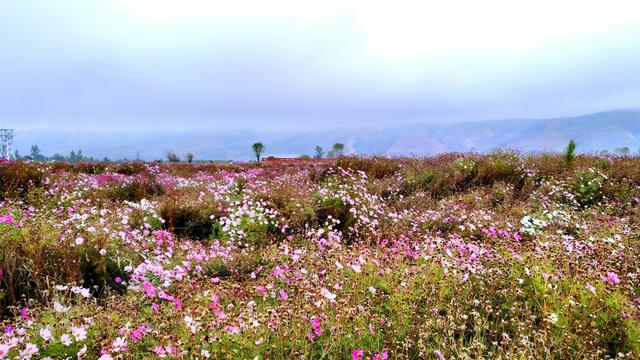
(337, 149)
(36, 154)
(172, 156)
(258, 149)
(570, 152)
(319, 152)
(189, 157)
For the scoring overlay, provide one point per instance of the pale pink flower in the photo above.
(79, 333)
(65, 339)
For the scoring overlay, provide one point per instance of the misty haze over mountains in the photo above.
(593, 132)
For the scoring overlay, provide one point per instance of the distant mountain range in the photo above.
(594, 132)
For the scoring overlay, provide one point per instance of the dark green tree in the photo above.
(172, 157)
(319, 153)
(337, 150)
(36, 154)
(258, 149)
(570, 153)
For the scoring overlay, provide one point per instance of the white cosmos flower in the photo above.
(60, 308)
(45, 333)
(327, 294)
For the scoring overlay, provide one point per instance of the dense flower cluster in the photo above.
(474, 256)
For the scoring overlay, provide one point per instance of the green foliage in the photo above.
(189, 221)
(172, 157)
(318, 152)
(143, 187)
(337, 150)
(258, 149)
(588, 187)
(422, 180)
(569, 154)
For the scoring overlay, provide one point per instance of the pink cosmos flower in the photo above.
(159, 350)
(137, 334)
(214, 299)
(177, 303)
(611, 279)
(4, 350)
(283, 295)
(118, 279)
(261, 290)
(381, 356)
(357, 354)
(148, 289)
(119, 344)
(6, 219)
(316, 325)
(24, 313)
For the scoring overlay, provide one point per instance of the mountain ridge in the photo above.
(605, 130)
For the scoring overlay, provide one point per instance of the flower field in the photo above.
(459, 256)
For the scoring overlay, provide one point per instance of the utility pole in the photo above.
(6, 144)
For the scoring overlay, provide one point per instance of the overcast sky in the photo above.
(191, 64)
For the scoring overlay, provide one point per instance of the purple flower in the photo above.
(611, 279)
(6, 219)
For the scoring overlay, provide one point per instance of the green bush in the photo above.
(142, 187)
(587, 186)
(188, 221)
(420, 181)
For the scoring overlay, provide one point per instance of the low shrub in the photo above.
(191, 221)
(17, 178)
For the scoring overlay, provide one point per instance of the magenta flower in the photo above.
(6, 219)
(283, 295)
(177, 303)
(24, 314)
(148, 288)
(118, 280)
(357, 354)
(261, 290)
(316, 325)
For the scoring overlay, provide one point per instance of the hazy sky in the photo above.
(189, 64)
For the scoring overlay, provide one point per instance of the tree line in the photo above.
(337, 150)
(36, 154)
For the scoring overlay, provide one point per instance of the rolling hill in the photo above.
(593, 132)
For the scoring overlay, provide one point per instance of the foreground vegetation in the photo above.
(456, 256)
